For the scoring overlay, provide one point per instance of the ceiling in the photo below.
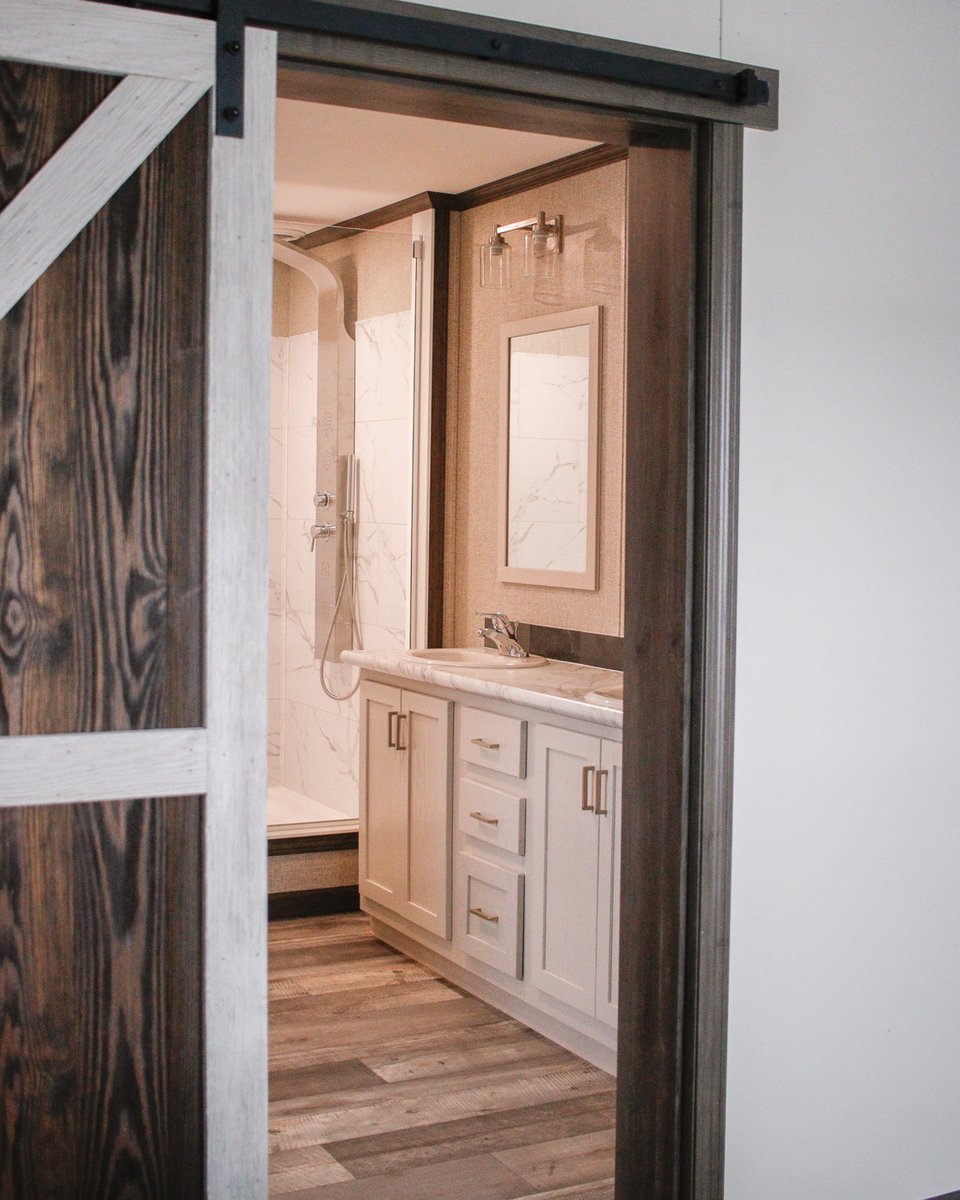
(336, 163)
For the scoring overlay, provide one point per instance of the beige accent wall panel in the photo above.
(590, 271)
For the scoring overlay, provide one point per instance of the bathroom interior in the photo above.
(447, 558)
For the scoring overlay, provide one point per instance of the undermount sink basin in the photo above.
(479, 659)
(610, 696)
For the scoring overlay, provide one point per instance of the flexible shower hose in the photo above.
(349, 573)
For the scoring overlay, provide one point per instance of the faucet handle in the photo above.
(501, 622)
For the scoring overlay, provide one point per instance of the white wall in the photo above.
(845, 1040)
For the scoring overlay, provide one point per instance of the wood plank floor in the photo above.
(387, 1083)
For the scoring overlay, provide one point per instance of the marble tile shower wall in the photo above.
(383, 433)
(314, 740)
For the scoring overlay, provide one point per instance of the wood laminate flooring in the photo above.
(388, 1083)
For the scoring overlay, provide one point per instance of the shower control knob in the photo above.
(321, 531)
(323, 499)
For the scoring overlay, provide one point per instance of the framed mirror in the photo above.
(549, 421)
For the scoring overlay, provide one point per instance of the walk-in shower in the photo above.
(343, 425)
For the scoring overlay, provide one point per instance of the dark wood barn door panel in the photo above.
(100, 1023)
(101, 437)
(102, 402)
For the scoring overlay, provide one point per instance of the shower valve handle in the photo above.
(323, 499)
(326, 530)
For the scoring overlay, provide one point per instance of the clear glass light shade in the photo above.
(541, 249)
(495, 258)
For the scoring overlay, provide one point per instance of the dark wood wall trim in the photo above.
(656, 711)
(719, 187)
(438, 425)
(551, 172)
(312, 843)
(497, 189)
(351, 226)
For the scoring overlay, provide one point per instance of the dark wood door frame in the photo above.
(682, 417)
(680, 599)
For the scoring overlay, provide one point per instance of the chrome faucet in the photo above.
(503, 633)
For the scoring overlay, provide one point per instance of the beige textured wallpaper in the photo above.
(590, 271)
(375, 268)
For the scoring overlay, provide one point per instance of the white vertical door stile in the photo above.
(167, 63)
(235, 861)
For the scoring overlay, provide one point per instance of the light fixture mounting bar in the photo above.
(553, 224)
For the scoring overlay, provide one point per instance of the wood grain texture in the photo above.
(46, 215)
(387, 1081)
(101, 556)
(99, 1009)
(98, 37)
(657, 641)
(235, 650)
(720, 202)
(101, 439)
(80, 767)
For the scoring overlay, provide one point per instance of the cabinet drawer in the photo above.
(491, 815)
(489, 921)
(491, 740)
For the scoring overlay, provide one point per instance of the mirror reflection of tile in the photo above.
(549, 436)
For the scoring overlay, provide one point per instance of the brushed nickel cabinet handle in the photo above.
(400, 717)
(585, 804)
(478, 912)
(601, 793)
(484, 744)
(486, 820)
(391, 736)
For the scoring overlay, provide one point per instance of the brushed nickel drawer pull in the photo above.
(585, 804)
(602, 793)
(484, 744)
(478, 912)
(391, 736)
(486, 820)
(400, 717)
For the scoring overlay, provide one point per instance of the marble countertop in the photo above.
(557, 687)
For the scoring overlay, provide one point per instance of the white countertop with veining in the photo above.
(557, 687)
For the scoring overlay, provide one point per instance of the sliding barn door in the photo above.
(134, 318)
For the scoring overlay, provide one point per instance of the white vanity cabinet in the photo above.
(574, 912)
(490, 847)
(405, 798)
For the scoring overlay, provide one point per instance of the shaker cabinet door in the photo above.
(425, 733)
(563, 921)
(383, 816)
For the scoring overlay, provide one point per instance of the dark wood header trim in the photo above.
(551, 172)
(374, 220)
(486, 193)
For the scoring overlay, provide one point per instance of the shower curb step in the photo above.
(317, 902)
(313, 843)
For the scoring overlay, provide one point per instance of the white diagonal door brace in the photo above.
(73, 186)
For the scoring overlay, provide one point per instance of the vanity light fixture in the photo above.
(495, 262)
(542, 243)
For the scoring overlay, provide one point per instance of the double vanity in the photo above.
(489, 830)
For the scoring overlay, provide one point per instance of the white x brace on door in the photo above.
(167, 65)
